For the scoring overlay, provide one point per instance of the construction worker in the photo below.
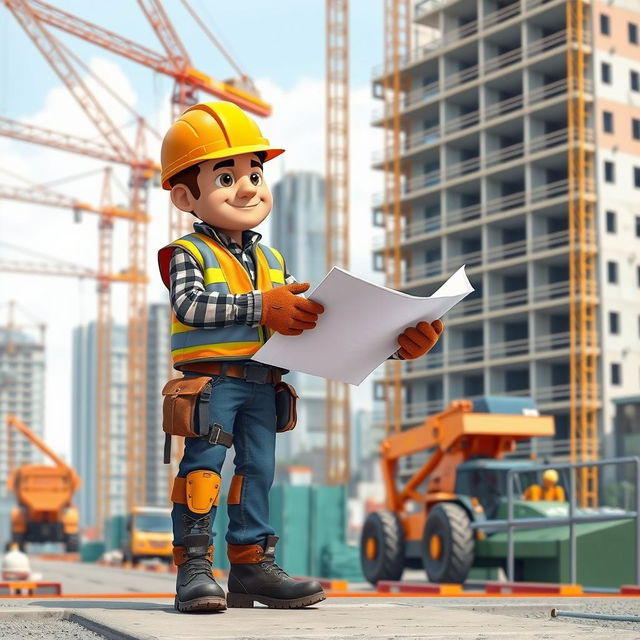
(228, 293)
(551, 491)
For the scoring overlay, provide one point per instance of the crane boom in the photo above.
(39, 195)
(119, 45)
(13, 421)
(64, 141)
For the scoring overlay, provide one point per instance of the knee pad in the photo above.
(200, 490)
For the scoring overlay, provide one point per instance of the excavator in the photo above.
(460, 479)
(44, 494)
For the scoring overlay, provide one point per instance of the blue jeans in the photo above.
(246, 409)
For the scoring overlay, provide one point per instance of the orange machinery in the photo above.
(460, 479)
(44, 494)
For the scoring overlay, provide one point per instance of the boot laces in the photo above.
(272, 567)
(197, 564)
(197, 525)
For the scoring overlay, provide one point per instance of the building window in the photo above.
(638, 325)
(605, 24)
(611, 221)
(635, 81)
(609, 171)
(612, 272)
(636, 177)
(638, 276)
(605, 72)
(616, 374)
(614, 323)
(635, 128)
(633, 33)
(637, 226)
(607, 121)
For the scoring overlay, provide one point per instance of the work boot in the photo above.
(254, 576)
(196, 587)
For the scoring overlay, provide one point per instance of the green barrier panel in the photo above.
(91, 551)
(327, 523)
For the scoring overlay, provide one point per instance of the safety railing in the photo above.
(585, 516)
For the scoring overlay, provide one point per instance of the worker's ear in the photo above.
(182, 198)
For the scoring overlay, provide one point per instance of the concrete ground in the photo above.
(128, 617)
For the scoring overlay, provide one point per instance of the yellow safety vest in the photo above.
(223, 273)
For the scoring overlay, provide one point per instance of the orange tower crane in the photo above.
(33, 15)
(38, 194)
(337, 407)
(397, 33)
(583, 295)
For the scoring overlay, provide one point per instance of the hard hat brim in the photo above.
(222, 153)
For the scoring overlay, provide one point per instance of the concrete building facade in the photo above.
(22, 393)
(158, 341)
(485, 160)
(298, 232)
(83, 420)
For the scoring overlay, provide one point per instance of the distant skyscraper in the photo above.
(22, 365)
(83, 420)
(298, 232)
(157, 375)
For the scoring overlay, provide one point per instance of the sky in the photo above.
(279, 43)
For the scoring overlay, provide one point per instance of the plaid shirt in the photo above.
(196, 307)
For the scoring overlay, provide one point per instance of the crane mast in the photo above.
(337, 407)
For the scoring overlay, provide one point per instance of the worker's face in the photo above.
(233, 193)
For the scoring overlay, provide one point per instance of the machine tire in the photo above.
(448, 559)
(72, 543)
(382, 559)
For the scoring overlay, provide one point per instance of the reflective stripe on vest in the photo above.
(223, 273)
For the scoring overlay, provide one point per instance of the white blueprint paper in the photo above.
(359, 328)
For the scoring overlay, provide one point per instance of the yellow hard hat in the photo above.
(550, 475)
(210, 130)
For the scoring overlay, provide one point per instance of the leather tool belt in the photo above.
(249, 372)
(185, 405)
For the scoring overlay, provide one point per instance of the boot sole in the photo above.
(207, 603)
(246, 600)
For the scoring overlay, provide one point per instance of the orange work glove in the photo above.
(416, 341)
(286, 313)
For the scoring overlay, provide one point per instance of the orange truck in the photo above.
(44, 494)
(457, 476)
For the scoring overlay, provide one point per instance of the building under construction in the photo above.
(512, 145)
(22, 393)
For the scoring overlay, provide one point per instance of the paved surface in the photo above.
(336, 618)
(52, 626)
(396, 618)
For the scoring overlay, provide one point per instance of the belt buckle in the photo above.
(256, 373)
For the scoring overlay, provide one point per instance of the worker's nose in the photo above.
(246, 189)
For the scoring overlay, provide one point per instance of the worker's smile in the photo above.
(246, 206)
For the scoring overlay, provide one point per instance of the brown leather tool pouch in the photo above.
(180, 408)
(286, 415)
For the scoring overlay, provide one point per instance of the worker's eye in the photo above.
(256, 179)
(225, 180)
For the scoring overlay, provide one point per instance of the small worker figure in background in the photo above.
(551, 491)
(229, 293)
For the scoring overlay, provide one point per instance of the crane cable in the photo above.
(214, 40)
